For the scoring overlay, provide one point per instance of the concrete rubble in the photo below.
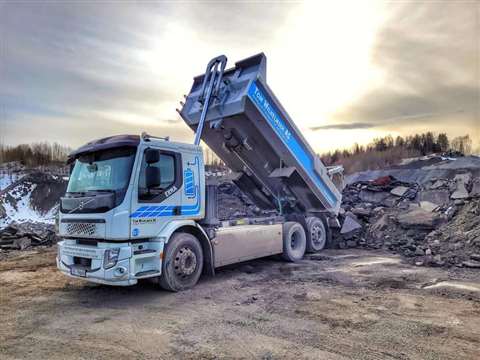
(21, 236)
(436, 223)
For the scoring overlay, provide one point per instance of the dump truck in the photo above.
(140, 207)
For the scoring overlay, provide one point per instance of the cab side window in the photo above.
(168, 164)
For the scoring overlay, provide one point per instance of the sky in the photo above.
(346, 71)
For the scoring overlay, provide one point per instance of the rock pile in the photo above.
(437, 223)
(233, 203)
(26, 235)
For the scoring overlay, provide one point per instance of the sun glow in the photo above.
(318, 61)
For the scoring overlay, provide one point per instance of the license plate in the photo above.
(78, 271)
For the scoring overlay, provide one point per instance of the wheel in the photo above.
(182, 263)
(316, 234)
(294, 241)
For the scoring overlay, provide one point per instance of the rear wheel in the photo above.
(316, 234)
(294, 241)
(182, 263)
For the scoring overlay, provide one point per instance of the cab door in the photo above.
(154, 206)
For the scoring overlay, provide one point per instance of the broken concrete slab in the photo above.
(362, 212)
(463, 178)
(428, 206)
(373, 196)
(389, 201)
(439, 197)
(475, 192)
(438, 184)
(419, 218)
(350, 225)
(461, 192)
(399, 190)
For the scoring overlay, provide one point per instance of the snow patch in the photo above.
(8, 179)
(17, 205)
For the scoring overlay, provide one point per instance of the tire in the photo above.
(294, 241)
(182, 263)
(317, 234)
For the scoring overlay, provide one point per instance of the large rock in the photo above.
(438, 184)
(399, 190)
(419, 218)
(428, 206)
(461, 192)
(373, 196)
(361, 212)
(475, 189)
(439, 197)
(350, 226)
(463, 178)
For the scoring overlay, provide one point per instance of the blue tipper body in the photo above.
(250, 131)
(288, 138)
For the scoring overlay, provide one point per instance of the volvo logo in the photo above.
(81, 205)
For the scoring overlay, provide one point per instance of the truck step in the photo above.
(144, 254)
(144, 251)
(148, 273)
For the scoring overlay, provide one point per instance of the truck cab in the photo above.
(126, 196)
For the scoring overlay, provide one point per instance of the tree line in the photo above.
(45, 153)
(35, 154)
(418, 144)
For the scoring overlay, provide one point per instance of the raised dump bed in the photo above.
(247, 127)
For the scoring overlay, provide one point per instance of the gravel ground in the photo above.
(340, 304)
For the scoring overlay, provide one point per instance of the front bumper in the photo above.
(131, 265)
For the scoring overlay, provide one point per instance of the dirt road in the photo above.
(338, 305)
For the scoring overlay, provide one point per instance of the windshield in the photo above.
(107, 170)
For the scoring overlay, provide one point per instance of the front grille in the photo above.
(86, 229)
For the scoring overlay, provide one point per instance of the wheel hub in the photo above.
(317, 234)
(185, 262)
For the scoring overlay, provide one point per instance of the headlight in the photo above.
(110, 258)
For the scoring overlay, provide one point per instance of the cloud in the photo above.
(347, 126)
(429, 53)
(106, 65)
(73, 71)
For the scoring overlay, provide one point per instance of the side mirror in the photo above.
(152, 156)
(152, 177)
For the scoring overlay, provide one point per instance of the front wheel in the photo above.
(182, 263)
